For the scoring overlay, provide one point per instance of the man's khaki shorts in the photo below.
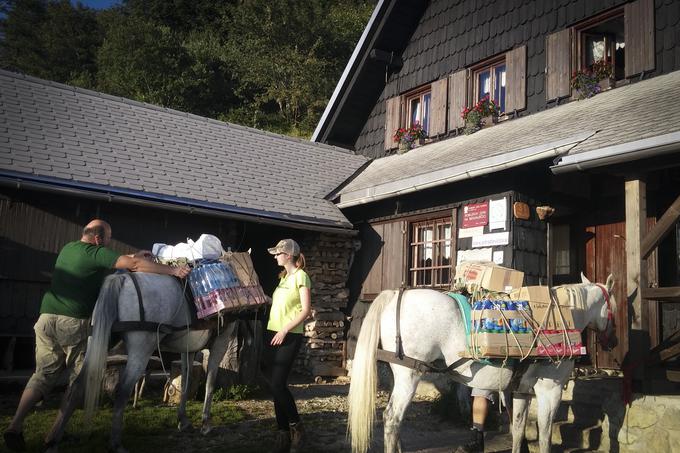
(60, 343)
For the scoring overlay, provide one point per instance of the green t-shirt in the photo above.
(78, 275)
(286, 303)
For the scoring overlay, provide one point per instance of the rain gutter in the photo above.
(617, 154)
(461, 172)
(178, 204)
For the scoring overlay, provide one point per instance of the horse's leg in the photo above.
(183, 422)
(520, 410)
(405, 383)
(140, 347)
(217, 351)
(548, 397)
(73, 395)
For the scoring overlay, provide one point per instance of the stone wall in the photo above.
(329, 258)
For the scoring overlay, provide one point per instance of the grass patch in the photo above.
(149, 427)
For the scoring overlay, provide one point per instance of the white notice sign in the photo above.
(498, 214)
(491, 239)
(498, 257)
(473, 255)
(470, 232)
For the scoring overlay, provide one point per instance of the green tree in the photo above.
(287, 59)
(50, 39)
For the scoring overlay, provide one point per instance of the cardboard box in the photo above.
(498, 339)
(540, 294)
(489, 276)
(542, 309)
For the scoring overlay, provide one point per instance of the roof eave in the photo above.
(348, 75)
(127, 196)
(461, 172)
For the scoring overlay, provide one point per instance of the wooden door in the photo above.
(606, 254)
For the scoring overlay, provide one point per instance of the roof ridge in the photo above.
(146, 105)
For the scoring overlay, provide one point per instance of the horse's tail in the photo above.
(362, 389)
(105, 313)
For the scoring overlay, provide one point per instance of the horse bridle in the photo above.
(602, 335)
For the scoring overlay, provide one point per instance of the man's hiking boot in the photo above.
(298, 437)
(14, 441)
(476, 444)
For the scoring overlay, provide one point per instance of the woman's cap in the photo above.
(287, 246)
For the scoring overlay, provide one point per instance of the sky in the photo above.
(97, 4)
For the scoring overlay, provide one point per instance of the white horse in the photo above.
(432, 328)
(163, 303)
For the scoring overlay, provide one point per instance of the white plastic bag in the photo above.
(208, 246)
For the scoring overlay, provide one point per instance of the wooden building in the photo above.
(609, 164)
(68, 155)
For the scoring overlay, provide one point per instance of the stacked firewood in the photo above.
(328, 261)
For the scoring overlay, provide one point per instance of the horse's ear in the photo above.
(584, 279)
(610, 283)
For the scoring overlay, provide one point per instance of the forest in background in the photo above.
(268, 64)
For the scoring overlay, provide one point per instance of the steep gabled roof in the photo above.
(627, 123)
(60, 136)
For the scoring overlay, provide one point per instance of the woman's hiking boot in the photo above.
(282, 442)
(298, 437)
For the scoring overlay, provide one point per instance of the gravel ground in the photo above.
(323, 407)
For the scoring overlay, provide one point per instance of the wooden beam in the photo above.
(636, 267)
(668, 294)
(661, 229)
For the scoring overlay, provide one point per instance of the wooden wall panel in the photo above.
(516, 83)
(639, 36)
(438, 107)
(558, 64)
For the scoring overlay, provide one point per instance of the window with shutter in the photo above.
(432, 252)
(457, 98)
(616, 44)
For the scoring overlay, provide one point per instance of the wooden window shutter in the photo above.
(438, 107)
(516, 83)
(371, 260)
(457, 98)
(638, 26)
(392, 120)
(558, 70)
(393, 254)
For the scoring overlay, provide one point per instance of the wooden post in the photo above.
(636, 217)
(636, 272)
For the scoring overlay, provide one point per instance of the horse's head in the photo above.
(602, 311)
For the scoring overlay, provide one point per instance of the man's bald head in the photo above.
(97, 232)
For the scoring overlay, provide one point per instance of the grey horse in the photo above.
(164, 303)
(432, 328)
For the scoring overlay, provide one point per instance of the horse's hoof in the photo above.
(118, 449)
(205, 429)
(184, 426)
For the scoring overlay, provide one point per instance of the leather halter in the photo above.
(602, 336)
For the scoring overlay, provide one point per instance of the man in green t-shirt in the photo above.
(62, 328)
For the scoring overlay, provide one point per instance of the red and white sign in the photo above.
(475, 215)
